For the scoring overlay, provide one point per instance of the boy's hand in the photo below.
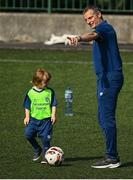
(26, 121)
(53, 119)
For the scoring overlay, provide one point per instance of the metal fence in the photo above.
(66, 6)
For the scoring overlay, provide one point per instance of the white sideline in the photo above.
(42, 61)
(51, 62)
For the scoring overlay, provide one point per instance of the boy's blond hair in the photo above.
(40, 76)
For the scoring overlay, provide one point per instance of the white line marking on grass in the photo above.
(43, 61)
(51, 62)
(128, 63)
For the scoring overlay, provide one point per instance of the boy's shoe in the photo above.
(44, 161)
(107, 163)
(37, 155)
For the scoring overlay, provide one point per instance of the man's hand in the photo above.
(73, 40)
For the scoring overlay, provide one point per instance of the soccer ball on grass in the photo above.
(54, 156)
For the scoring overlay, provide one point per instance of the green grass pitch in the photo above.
(79, 136)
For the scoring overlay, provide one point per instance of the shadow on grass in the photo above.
(68, 161)
(82, 158)
(128, 164)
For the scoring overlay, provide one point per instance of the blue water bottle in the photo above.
(68, 102)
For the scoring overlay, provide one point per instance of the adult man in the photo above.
(108, 68)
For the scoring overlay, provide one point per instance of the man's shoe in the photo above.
(37, 155)
(107, 163)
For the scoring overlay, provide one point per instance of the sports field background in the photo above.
(79, 136)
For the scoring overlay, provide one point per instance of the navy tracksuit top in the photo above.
(105, 50)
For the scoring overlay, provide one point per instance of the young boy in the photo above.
(40, 113)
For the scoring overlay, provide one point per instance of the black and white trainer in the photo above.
(44, 161)
(107, 163)
(37, 155)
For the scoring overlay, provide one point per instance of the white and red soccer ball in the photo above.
(54, 156)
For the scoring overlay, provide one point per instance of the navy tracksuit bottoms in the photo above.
(41, 129)
(108, 88)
